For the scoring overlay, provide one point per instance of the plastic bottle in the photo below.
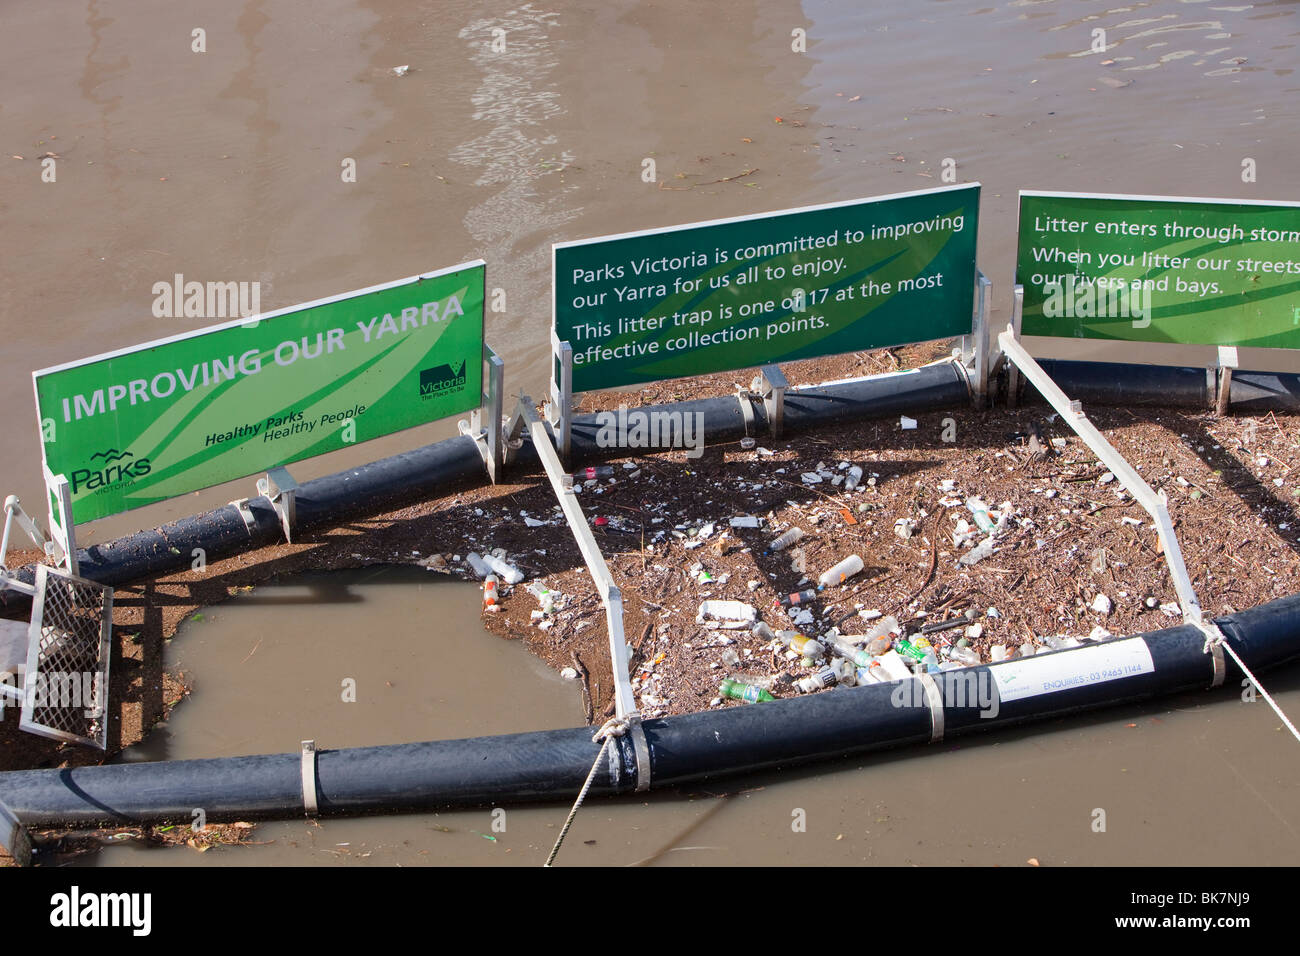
(800, 597)
(854, 476)
(978, 553)
(824, 678)
(490, 592)
(870, 675)
(746, 692)
(907, 649)
(1058, 643)
(763, 632)
(509, 573)
(963, 655)
(800, 644)
(842, 571)
(850, 653)
(597, 471)
(879, 645)
(475, 561)
(980, 512)
(787, 539)
(725, 611)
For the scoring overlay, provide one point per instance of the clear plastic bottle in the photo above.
(787, 539)
(980, 513)
(842, 571)
(490, 592)
(509, 573)
(854, 476)
(850, 653)
(800, 644)
(963, 655)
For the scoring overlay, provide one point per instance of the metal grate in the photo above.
(66, 688)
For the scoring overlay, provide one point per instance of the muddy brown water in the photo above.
(225, 166)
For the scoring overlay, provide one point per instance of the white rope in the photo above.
(614, 727)
(1221, 641)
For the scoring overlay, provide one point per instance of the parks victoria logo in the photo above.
(108, 468)
(441, 380)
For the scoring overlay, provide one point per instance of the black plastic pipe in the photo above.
(551, 765)
(1116, 383)
(436, 469)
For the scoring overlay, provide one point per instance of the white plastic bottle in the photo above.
(842, 571)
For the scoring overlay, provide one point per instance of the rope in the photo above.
(614, 727)
(1219, 640)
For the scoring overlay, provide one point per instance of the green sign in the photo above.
(169, 417)
(776, 287)
(1152, 269)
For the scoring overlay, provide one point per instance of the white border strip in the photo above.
(774, 214)
(1172, 199)
(410, 280)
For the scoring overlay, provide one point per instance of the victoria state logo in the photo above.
(441, 379)
(113, 469)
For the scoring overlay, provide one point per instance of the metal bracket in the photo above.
(62, 549)
(488, 439)
(281, 490)
(1227, 362)
(980, 334)
(513, 434)
(14, 512)
(309, 778)
(935, 699)
(245, 512)
(559, 410)
(770, 385)
(1013, 371)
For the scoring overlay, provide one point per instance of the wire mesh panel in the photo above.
(66, 689)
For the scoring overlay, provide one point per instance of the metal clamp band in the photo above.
(935, 699)
(642, 748)
(309, 778)
(245, 512)
(746, 411)
(1214, 639)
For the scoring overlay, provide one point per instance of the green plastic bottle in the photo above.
(746, 692)
(908, 649)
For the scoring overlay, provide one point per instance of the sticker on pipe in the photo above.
(1051, 673)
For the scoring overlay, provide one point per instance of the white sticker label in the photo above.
(1111, 660)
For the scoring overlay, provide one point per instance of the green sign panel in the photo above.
(1152, 269)
(143, 424)
(782, 286)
